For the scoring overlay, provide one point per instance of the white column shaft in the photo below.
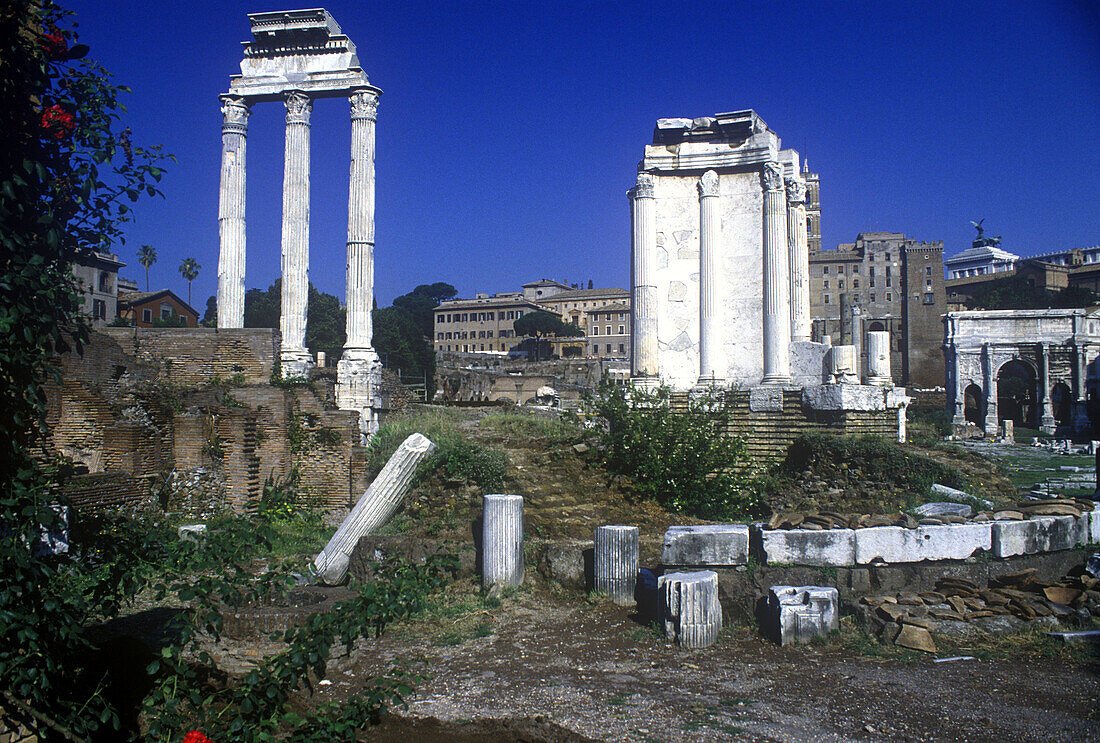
(799, 259)
(502, 540)
(690, 607)
(295, 295)
(615, 563)
(360, 267)
(231, 209)
(878, 357)
(643, 252)
(712, 366)
(777, 298)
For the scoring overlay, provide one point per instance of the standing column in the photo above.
(800, 259)
(231, 202)
(712, 364)
(643, 251)
(360, 268)
(1080, 418)
(293, 355)
(777, 296)
(990, 379)
(1047, 423)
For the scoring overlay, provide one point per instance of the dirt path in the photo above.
(556, 668)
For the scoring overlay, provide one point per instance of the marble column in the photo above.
(615, 563)
(712, 366)
(231, 234)
(1081, 423)
(501, 540)
(800, 259)
(360, 267)
(777, 290)
(878, 358)
(990, 379)
(1047, 424)
(293, 355)
(643, 253)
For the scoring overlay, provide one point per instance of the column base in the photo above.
(295, 363)
(1047, 424)
(645, 383)
(358, 385)
(883, 381)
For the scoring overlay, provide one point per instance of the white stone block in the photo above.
(1040, 534)
(191, 532)
(798, 614)
(502, 540)
(690, 608)
(615, 562)
(892, 544)
(806, 546)
(718, 544)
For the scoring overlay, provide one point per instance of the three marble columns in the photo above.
(294, 356)
(786, 286)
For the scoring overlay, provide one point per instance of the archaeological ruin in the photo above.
(296, 57)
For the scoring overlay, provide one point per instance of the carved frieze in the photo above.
(708, 184)
(298, 107)
(364, 105)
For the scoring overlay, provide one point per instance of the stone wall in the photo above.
(768, 434)
(104, 490)
(191, 357)
(468, 377)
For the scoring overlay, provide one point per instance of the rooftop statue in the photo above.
(981, 240)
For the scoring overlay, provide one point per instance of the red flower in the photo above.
(54, 45)
(58, 122)
(196, 737)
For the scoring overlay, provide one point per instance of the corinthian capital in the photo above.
(708, 184)
(643, 188)
(796, 190)
(298, 107)
(772, 177)
(235, 112)
(364, 105)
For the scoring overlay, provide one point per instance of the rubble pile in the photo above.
(960, 608)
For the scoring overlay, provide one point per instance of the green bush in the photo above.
(519, 425)
(679, 456)
(839, 458)
(927, 426)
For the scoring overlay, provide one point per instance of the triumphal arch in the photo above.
(295, 57)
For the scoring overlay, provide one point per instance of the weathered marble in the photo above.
(712, 367)
(1039, 534)
(293, 356)
(777, 271)
(690, 609)
(644, 340)
(878, 358)
(894, 544)
(799, 614)
(843, 365)
(706, 545)
(502, 540)
(374, 508)
(616, 562)
(823, 547)
(799, 259)
(231, 213)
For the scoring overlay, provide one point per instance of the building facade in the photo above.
(890, 283)
(573, 305)
(483, 323)
(607, 331)
(97, 278)
(142, 309)
(980, 260)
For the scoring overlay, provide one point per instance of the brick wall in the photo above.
(191, 357)
(768, 435)
(104, 490)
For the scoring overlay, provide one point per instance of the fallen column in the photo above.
(616, 563)
(502, 540)
(799, 614)
(373, 509)
(689, 605)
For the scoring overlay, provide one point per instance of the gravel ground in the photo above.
(553, 667)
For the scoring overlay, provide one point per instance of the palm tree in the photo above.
(147, 257)
(189, 269)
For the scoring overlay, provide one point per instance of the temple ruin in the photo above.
(296, 57)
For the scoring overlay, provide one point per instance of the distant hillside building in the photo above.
(574, 304)
(144, 308)
(1050, 271)
(981, 260)
(897, 285)
(97, 276)
(483, 323)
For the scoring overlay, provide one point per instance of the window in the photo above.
(622, 329)
(595, 329)
(872, 297)
(609, 348)
(439, 336)
(492, 315)
(887, 256)
(99, 309)
(871, 272)
(488, 334)
(855, 283)
(889, 296)
(887, 281)
(871, 282)
(608, 332)
(855, 298)
(439, 318)
(887, 272)
(104, 282)
(927, 270)
(840, 269)
(826, 284)
(622, 348)
(929, 298)
(824, 270)
(871, 257)
(165, 311)
(840, 284)
(147, 316)
(928, 283)
(826, 299)
(595, 348)
(855, 270)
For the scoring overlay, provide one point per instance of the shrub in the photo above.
(679, 456)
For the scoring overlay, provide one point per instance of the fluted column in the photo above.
(502, 540)
(615, 563)
(878, 358)
(690, 608)
(360, 268)
(373, 509)
(231, 234)
(643, 251)
(800, 259)
(712, 366)
(777, 292)
(293, 355)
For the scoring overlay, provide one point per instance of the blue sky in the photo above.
(509, 132)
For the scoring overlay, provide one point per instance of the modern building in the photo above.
(980, 260)
(537, 291)
(142, 309)
(897, 285)
(97, 275)
(607, 331)
(483, 323)
(574, 304)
